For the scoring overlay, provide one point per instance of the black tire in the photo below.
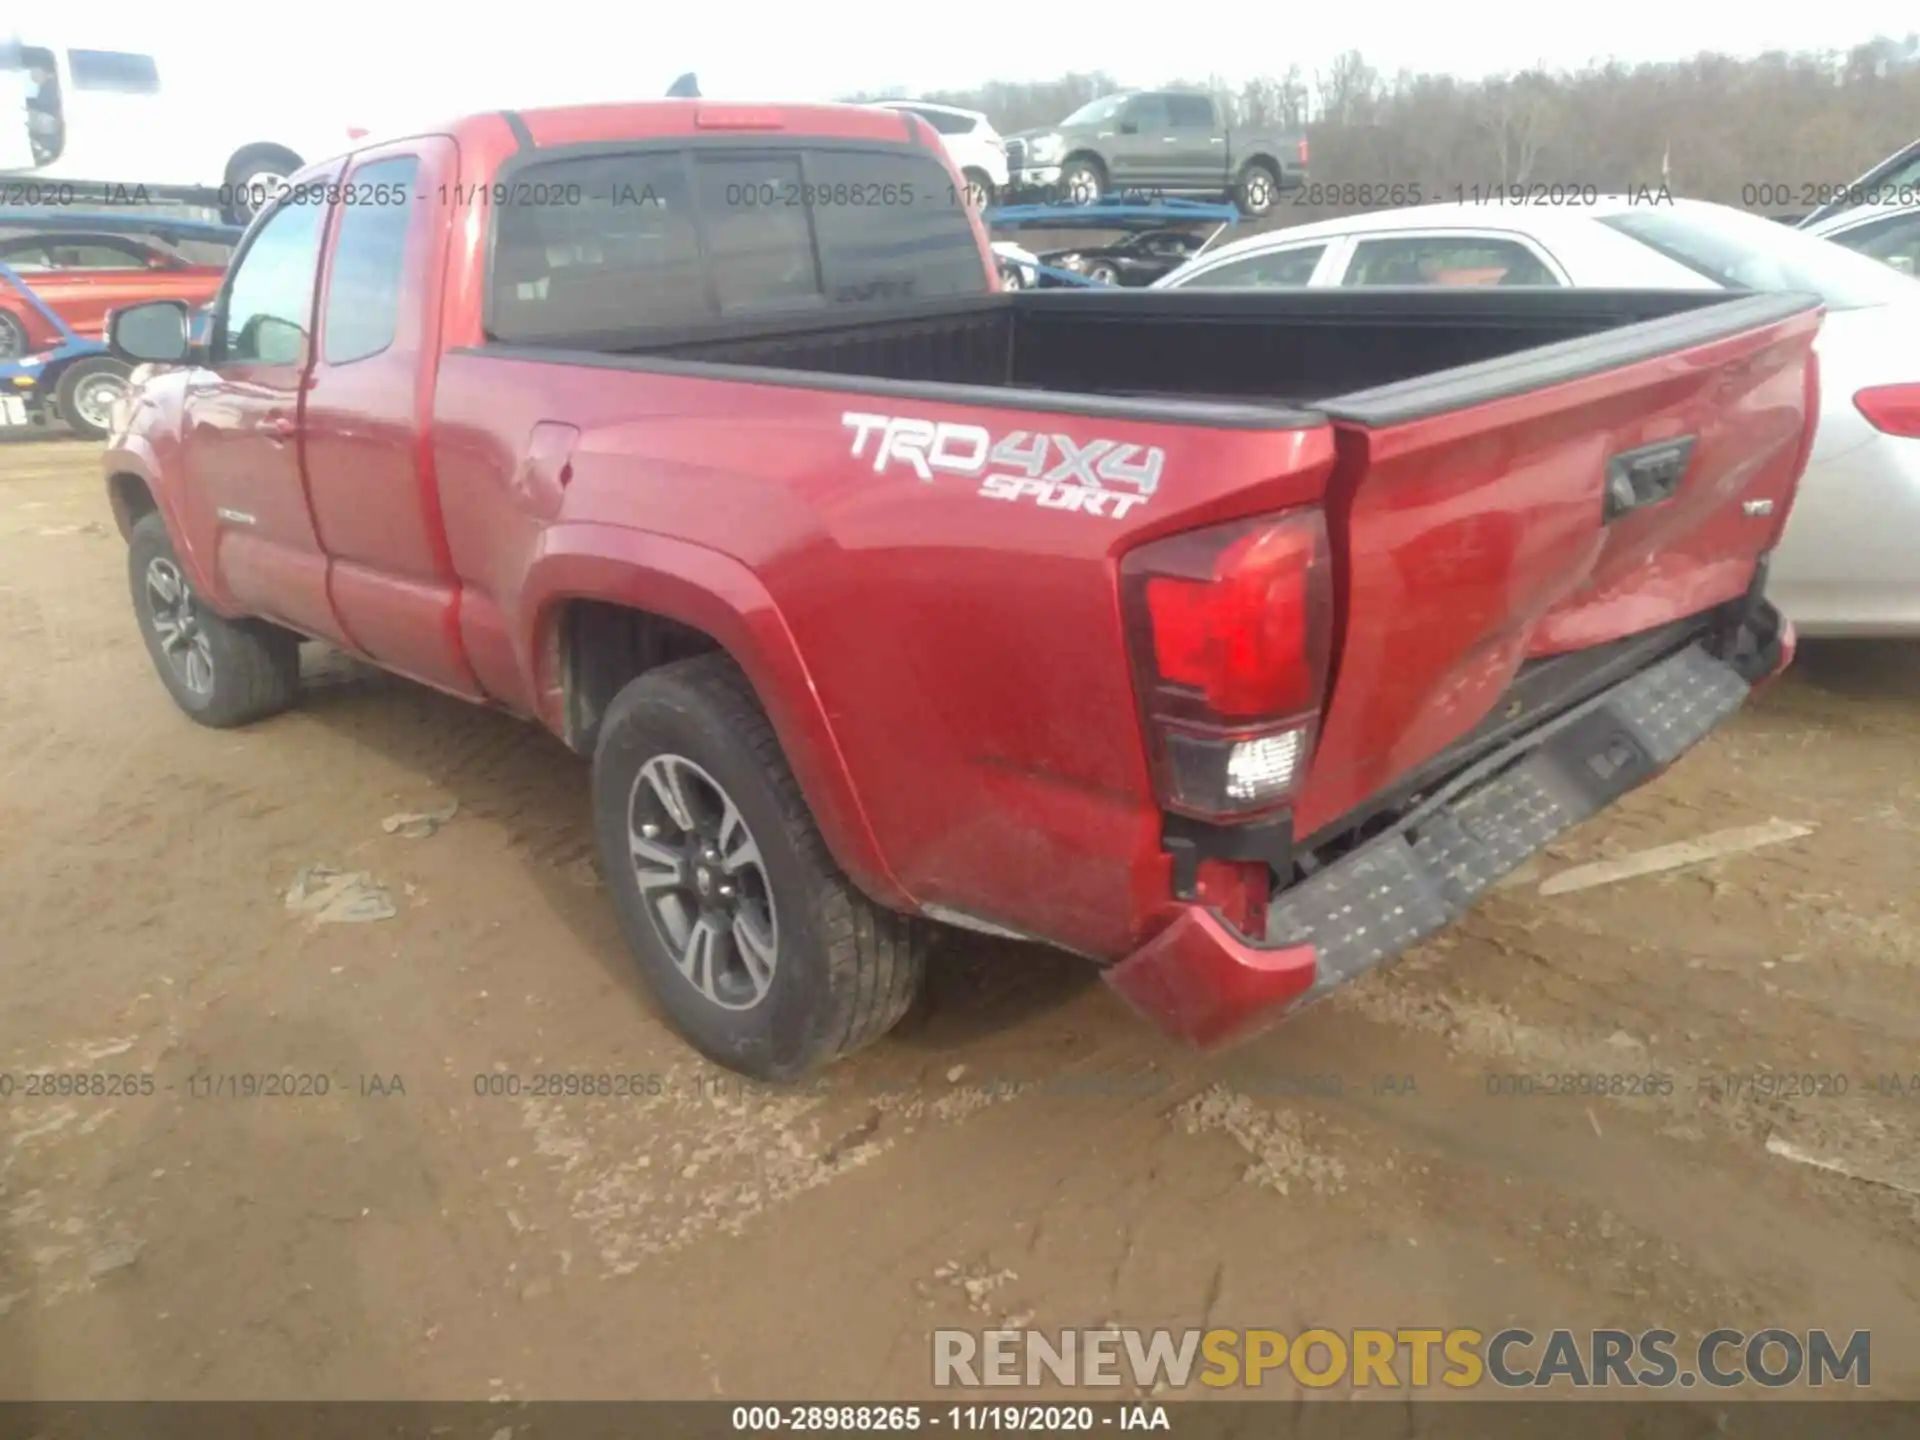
(77, 394)
(13, 336)
(1257, 190)
(1083, 180)
(239, 205)
(251, 669)
(1104, 272)
(980, 188)
(844, 970)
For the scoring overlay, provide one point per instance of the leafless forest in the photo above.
(1765, 133)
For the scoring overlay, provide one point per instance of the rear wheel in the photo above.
(221, 672)
(88, 392)
(1258, 190)
(979, 189)
(763, 955)
(1103, 272)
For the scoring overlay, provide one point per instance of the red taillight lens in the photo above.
(1239, 636)
(1894, 409)
(1230, 628)
(1303, 149)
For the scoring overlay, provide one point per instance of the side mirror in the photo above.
(155, 333)
(269, 340)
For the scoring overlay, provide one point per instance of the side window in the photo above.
(1894, 241)
(758, 237)
(618, 249)
(117, 70)
(1445, 260)
(1190, 112)
(369, 258)
(1278, 269)
(26, 255)
(1148, 112)
(99, 255)
(269, 300)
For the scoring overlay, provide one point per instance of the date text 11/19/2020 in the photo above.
(1393, 194)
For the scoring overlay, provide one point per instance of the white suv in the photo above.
(976, 147)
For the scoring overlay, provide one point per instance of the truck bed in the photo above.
(1364, 354)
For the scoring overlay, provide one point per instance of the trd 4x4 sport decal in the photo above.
(1056, 472)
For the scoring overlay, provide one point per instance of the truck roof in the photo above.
(562, 125)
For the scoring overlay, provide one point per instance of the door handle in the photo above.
(1646, 476)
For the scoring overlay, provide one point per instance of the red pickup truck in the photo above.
(1235, 640)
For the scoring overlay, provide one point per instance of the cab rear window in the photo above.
(602, 249)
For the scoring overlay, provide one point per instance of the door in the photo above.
(1196, 152)
(369, 464)
(1138, 159)
(1449, 258)
(1286, 267)
(117, 131)
(245, 495)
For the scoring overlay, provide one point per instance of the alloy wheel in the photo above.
(704, 882)
(176, 621)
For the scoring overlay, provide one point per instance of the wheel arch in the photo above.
(602, 606)
(1089, 156)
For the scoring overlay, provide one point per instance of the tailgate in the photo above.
(1560, 498)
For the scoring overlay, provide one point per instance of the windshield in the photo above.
(1094, 112)
(1747, 252)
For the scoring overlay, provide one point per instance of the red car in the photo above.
(1234, 640)
(80, 277)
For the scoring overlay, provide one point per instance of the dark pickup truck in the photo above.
(1155, 142)
(1235, 641)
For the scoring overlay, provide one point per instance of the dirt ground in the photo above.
(1025, 1151)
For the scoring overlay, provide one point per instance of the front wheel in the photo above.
(1082, 183)
(221, 672)
(763, 955)
(88, 392)
(13, 336)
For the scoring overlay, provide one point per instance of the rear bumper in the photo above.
(1205, 983)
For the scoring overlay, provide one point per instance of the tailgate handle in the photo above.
(1645, 476)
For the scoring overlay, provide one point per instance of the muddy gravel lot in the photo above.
(1024, 1151)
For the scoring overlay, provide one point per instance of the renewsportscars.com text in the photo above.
(1407, 1358)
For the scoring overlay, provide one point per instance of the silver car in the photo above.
(1846, 565)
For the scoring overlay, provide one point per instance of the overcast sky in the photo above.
(380, 62)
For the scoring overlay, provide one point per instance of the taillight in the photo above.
(1230, 628)
(1894, 409)
(1303, 149)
